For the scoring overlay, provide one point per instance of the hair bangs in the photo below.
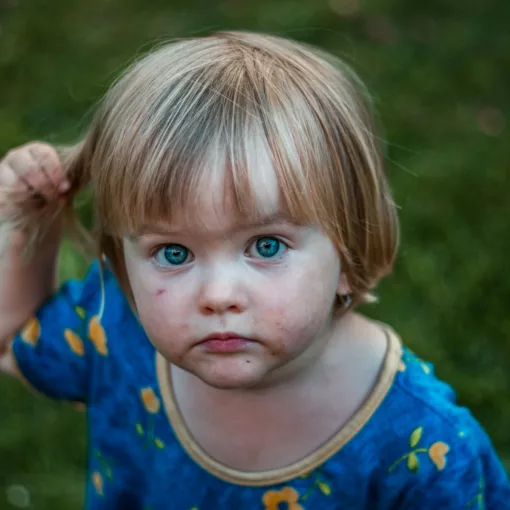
(232, 133)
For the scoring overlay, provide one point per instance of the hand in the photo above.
(31, 177)
(32, 171)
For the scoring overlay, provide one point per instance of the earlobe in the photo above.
(343, 289)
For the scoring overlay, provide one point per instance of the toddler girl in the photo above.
(242, 213)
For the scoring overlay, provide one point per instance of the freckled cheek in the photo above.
(294, 314)
(286, 330)
(171, 340)
(165, 322)
(302, 295)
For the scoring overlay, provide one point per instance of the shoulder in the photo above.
(98, 278)
(104, 311)
(427, 401)
(415, 398)
(421, 411)
(430, 448)
(97, 293)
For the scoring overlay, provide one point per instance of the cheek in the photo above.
(305, 291)
(297, 313)
(165, 326)
(299, 305)
(150, 294)
(163, 318)
(158, 313)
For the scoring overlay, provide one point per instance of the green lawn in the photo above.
(439, 72)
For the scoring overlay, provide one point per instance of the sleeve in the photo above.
(56, 348)
(469, 481)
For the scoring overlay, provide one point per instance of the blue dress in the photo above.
(408, 447)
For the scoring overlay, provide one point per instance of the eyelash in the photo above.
(157, 249)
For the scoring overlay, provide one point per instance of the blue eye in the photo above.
(268, 247)
(173, 255)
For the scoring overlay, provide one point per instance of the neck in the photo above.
(276, 424)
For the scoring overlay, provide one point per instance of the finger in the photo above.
(48, 188)
(13, 190)
(9, 179)
(49, 160)
(29, 171)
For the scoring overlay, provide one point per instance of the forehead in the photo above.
(222, 198)
(228, 195)
(216, 208)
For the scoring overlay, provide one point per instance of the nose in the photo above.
(221, 293)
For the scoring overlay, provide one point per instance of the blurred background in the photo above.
(439, 72)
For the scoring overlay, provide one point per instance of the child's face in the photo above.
(236, 303)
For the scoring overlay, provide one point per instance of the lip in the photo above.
(224, 342)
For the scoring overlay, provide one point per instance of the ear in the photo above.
(343, 289)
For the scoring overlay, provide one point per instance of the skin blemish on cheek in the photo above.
(278, 348)
(159, 292)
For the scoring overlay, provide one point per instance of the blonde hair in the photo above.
(195, 106)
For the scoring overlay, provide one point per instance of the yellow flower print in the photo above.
(412, 358)
(150, 401)
(437, 453)
(152, 405)
(31, 332)
(272, 499)
(318, 482)
(102, 473)
(159, 444)
(97, 480)
(98, 336)
(80, 311)
(74, 342)
(425, 367)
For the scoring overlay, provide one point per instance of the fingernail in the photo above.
(64, 186)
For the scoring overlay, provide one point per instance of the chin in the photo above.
(226, 375)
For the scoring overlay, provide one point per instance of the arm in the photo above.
(25, 282)
(24, 285)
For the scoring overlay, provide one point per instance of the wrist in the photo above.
(24, 242)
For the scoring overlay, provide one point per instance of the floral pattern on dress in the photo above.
(74, 341)
(152, 405)
(409, 357)
(31, 332)
(479, 499)
(274, 499)
(102, 473)
(436, 451)
(95, 333)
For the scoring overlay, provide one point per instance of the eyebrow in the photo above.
(278, 217)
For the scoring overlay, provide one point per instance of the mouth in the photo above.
(228, 342)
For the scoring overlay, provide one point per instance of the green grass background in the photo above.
(439, 72)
